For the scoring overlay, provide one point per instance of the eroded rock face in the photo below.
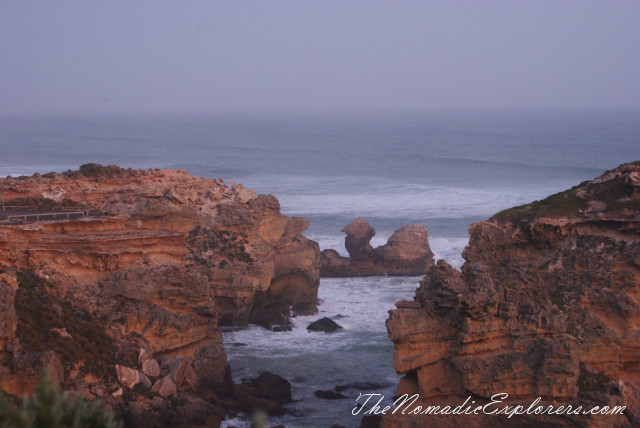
(8, 318)
(406, 253)
(256, 259)
(359, 234)
(546, 305)
(143, 285)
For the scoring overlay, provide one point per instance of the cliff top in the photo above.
(115, 189)
(614, 193)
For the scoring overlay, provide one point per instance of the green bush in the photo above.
(49, 408)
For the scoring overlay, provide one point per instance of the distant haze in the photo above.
(166, 56)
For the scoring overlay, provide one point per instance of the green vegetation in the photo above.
(97, 170)
(616, 194)
(39, 312)
(48, 408)
(561, 204)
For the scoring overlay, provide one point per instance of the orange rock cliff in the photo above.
(124, 302)
(546, 305)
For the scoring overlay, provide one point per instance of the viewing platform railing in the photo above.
(48, 216)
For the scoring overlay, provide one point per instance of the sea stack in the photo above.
(406, 253)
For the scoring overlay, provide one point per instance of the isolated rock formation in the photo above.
(546, 305)
(406, 253)
(324, 324)
(142, 284)
(268, 392)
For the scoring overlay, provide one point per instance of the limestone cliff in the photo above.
(124, 298)
(406, 253)
(546, 305)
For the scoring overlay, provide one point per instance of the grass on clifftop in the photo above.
(615, 193)
(561, 204)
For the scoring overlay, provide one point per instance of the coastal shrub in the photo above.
(49, 408)
(39, 312)
(615, 193)
(97, 170)
(561, 204)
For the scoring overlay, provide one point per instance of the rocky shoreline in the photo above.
(546, 305)
(125, 305)
(124, 301)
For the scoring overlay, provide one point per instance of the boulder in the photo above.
(164, 387)
(151, 368)
(272, 386)
(128, 377)
(324, 324)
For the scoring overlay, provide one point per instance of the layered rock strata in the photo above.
(546, 305)
(141, 284)
(406, 253)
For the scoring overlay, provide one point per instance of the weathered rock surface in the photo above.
(143, 283)
(546, 305)
(8, 318)
(406, 253)
(257, 261)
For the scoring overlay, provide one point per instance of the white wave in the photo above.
(351, 297)
(18, 170)
(350, 196)
(448, 249)
(235, 422)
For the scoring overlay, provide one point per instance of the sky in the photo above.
(201, 56)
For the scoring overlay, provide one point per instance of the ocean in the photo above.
(442, 169)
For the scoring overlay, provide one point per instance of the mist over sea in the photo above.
(442, 169)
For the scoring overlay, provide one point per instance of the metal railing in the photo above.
(28, 207)
(48, 216)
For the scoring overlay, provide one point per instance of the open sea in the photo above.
(442, 169)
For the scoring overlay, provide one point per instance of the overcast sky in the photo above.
(122, 56)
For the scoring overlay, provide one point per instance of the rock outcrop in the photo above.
(268, 393)
(325, 324)
(406, 253)
(256, 260)
(546, 305)
(124, 301)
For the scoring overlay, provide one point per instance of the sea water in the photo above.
(442, 169)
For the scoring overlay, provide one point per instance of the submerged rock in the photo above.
(273, 386)
(329, 394)
(267, 392)
(360, 386)
(324, 324)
